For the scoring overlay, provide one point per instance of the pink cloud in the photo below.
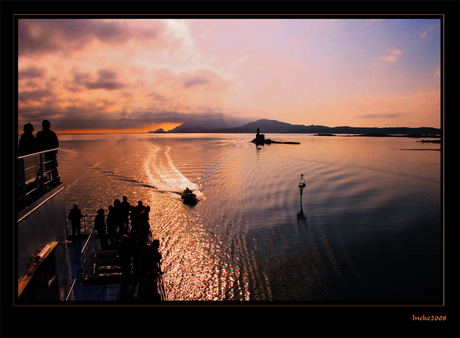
(393, 56)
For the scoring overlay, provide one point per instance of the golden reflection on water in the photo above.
(246, 240)
(195, 261)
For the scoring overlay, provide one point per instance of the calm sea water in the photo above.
(368, 227)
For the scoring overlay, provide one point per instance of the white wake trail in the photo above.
(164, 175)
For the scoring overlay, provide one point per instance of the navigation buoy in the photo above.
(302, 184)
(301, 215)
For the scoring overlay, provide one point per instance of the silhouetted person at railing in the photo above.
(125, 207)
(138, 209)
(99, 225)
(154, 255)
(150, 256)
(29, 167)
(27, 143)
(142, 228)
(124, 254)
(112, 226)
(149, 291)
(75, 216)
(149, 260)
(47, 139)
(135, 213)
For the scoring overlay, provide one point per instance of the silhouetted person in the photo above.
(125, 260)
(125, 207)
(142, 228)
(135, 214)
(99, 225)
(149, 291)
(47, 139)
(154, 254)
(149, 260)
(27, 143)
(75, 216)
(150, 256)
(112, 226)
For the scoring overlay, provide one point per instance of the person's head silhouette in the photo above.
(46, 125)
(28, 128)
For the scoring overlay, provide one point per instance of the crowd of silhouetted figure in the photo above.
(132, 242)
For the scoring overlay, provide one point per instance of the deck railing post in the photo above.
(55, 172)
(23, 183)
(42, 178)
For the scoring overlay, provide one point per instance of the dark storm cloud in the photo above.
(33, 95)
(31, 73)
(92, 116)
(48, 35)
(106, 80)
(79, 78)
(108, 85)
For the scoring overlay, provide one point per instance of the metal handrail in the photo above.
(161, 285)
(31, 172)
(37, 153)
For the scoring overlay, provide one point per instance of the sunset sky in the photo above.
(136, 75)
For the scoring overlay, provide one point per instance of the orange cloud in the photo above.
(98, 80)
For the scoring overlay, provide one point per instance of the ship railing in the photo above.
(161, 285)
(36, 175)
(86, 226)
(98, 265)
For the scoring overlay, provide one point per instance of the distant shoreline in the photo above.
(315, 134)
(276, 127)
(312, 134)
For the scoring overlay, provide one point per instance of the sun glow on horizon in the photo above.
(153, 127)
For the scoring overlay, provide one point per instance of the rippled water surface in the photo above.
(368, 227)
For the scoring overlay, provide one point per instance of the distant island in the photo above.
(161, 130)
(273, 126)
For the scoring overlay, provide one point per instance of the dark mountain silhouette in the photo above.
(273, 126)
(158, 131)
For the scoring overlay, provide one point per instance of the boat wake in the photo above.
(159, 174)
(162, 174)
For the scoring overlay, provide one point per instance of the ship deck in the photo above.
(101, 290)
